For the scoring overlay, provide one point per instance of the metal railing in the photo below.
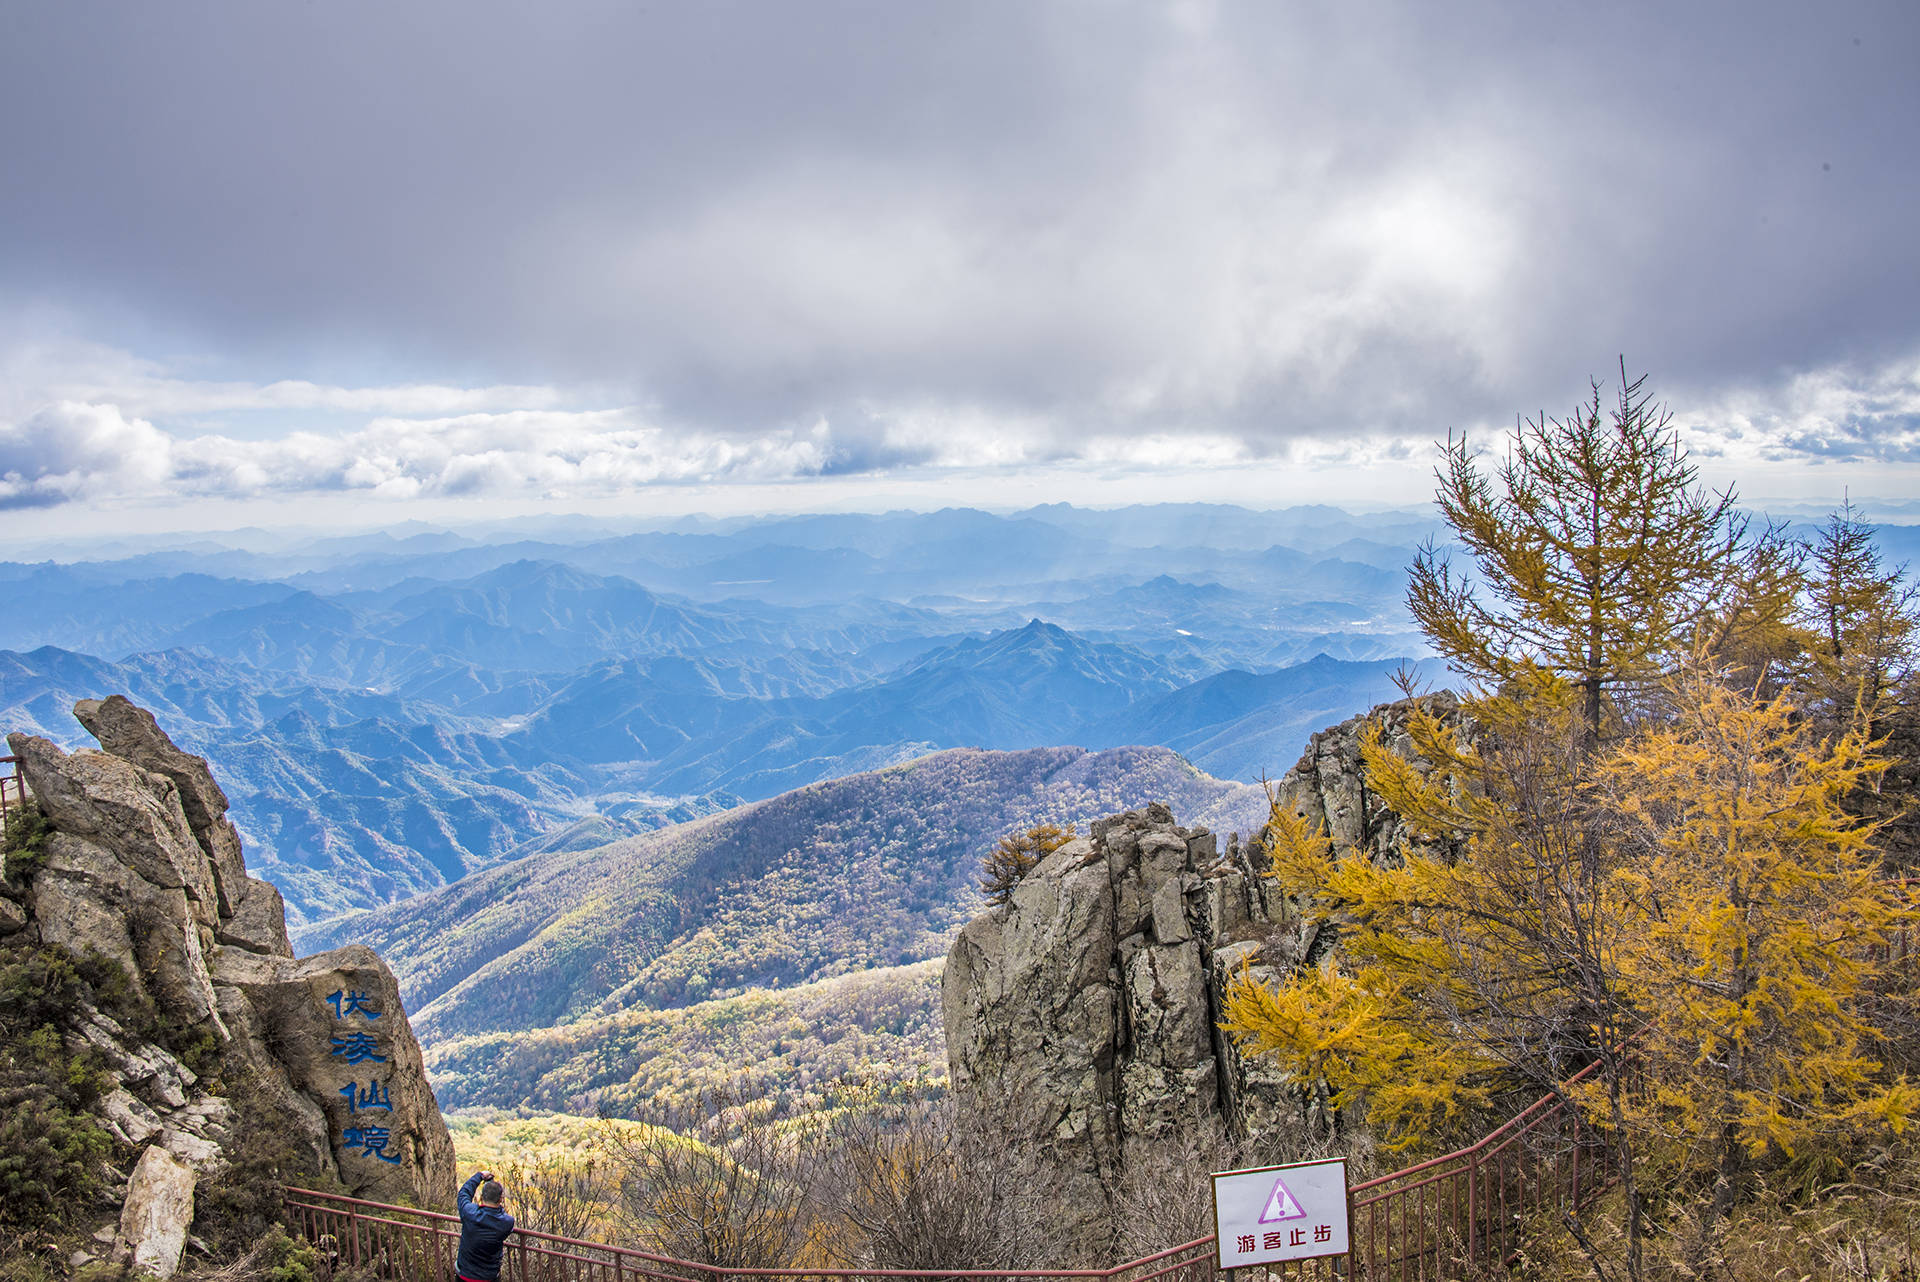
(406, 1244)
(1474, 1203)
(1433, 1220)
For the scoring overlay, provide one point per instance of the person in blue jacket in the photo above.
(483, 1229)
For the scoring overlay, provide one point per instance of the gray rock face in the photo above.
(1083, 1014)
(158, 1212)
(258, 922)
(86, 898)
(341, 1035)
(1328, 786)
(143, 867)
(122, 808)
(130, 732)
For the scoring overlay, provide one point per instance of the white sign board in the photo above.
(1276, 1213)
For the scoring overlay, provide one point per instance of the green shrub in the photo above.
(51, 1145)
(25, 848)
(242, 1205)
(50, 1156)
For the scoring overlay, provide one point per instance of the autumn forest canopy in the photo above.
(1666, 835)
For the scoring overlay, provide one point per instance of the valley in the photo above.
(393, 712)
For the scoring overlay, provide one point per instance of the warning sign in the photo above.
(1281, 1204)
(1276, 1213)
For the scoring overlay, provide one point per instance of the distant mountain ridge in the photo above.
(868, 870)
(398, 710)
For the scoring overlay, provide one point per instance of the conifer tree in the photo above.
(1015, 855)
(1754, 914)
(1657, 866)
(1595, 552)
(1860, 624)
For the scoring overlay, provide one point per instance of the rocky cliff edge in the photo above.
(141, 866)
(1082, 1015)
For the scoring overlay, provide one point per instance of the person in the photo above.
(484, 1226)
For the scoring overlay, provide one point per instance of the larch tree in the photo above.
(1459, 979)
(1015, 855)
(1860, 622)
(1637, 855)
(1595, 553)
(1755, 918)
(1863, 613)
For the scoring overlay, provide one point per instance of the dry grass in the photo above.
(1865, 1228)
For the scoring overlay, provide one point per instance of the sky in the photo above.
(361, 263)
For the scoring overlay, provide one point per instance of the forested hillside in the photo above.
(872, 870)
(878, 1026)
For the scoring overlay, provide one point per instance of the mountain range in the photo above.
(391, 712)
(518, 965)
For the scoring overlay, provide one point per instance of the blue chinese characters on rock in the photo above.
(356, 1042)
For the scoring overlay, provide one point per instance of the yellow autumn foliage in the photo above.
(1759, 919)
(1696, 908)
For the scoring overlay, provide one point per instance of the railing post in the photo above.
(1473, 1206)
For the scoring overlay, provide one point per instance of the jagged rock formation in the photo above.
(1083, 1014)
(142, 867)
(1328, 785)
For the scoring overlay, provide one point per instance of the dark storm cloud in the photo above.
(924, 222)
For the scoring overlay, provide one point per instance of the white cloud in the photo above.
(108, 446)
(1833, 414)
(71, 451)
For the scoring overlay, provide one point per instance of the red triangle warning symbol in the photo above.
(1282, 1205)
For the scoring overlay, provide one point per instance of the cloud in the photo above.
(1274, 223)
(73, 452)
(1835, 414)
(98, 451)
(70, 451)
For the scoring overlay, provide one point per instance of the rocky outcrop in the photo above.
(141, 866)
(341, 1039)
(1328, 785)
(1083, 1014)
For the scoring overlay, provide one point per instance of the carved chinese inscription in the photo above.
(356, 1042)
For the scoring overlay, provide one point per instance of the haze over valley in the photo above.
(390, 712)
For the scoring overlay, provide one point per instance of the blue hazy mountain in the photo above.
(1246, 725)
(393, 710)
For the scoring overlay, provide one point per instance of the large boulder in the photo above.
(1083, 1014)
(258, 922)
(130, 732)
(118, 806)
(87, 899)
(158, 1212)
(340, 1032)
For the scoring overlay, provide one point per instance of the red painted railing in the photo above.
(1430, 1221)
(410, 1245)
(1472, 1205)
